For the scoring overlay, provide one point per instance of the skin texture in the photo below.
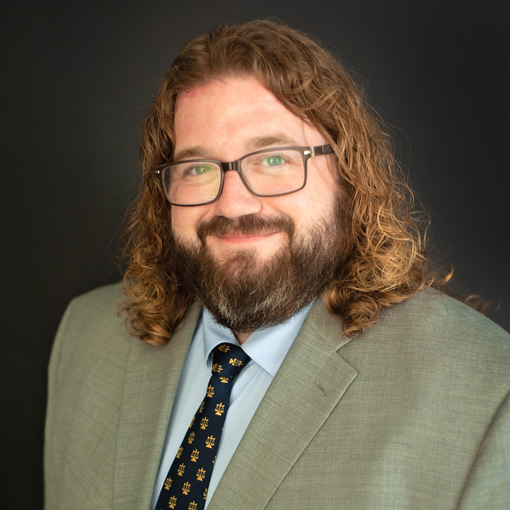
(226, 119)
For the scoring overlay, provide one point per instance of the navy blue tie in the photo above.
(187, 482)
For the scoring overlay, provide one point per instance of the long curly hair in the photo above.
(387, 262)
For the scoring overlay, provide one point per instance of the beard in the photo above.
(244, 293)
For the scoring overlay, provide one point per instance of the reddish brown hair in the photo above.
(387, 263)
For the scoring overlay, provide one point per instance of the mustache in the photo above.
(250, 224)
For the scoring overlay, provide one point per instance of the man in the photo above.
(272, 223)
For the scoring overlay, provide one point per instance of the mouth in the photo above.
(249, 229)
(243, 237)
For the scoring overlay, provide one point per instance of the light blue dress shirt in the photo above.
(267, 349)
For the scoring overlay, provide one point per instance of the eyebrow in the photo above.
(199, 151)
(271, 140)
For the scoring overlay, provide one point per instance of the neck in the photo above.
(241, 337)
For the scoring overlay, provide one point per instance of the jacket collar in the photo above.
(152, 379)
(311, 381)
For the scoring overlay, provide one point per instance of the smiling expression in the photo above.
(224, 120)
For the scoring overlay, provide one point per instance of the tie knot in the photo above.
(228, 360)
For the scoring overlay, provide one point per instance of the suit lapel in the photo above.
(152, 379)
(306, 389)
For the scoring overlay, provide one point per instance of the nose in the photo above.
(236, 199)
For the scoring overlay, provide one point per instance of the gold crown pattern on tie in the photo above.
(186, 485)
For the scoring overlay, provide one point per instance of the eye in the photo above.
(200, 169)
(273, 160)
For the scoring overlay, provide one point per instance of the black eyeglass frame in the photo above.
(306, 154)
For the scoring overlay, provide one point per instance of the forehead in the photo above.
(227, 114)
(235, 90)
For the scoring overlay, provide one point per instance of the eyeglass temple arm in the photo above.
(320, 150)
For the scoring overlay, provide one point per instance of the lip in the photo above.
(239, 238)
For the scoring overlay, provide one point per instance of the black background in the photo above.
(77, 80)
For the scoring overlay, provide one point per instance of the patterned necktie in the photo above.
(187, 482)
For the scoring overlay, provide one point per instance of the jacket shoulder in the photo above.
(99, 302)
(442, 318)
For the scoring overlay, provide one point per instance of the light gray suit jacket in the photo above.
(412, 415)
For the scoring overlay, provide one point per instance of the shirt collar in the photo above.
(266, 346)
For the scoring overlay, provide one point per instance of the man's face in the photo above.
(245, 240)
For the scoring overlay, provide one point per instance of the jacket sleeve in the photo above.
(51, 455)
(488, 484)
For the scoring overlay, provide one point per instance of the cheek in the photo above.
(183, 222)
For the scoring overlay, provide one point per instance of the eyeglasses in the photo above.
(266, 173)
